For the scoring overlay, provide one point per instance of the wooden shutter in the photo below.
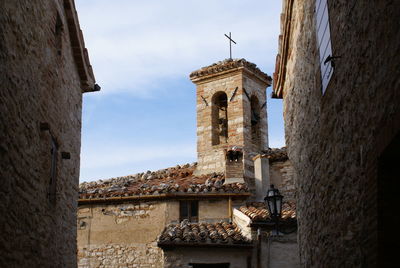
(189, 210)
(324, 42)
(194, 211)
(183, 210)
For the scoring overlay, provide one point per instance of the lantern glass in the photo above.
(270, 206)
(274, 202)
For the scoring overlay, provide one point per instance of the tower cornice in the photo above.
(228, 66)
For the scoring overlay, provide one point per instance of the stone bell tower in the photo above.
(231, 118)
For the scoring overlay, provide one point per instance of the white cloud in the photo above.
(135, 44)
(113, 156)
(277, 142)
(107, 161)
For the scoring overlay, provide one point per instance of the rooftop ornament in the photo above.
(230, 44)
(274, 204)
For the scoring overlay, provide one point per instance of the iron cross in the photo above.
(230, 44)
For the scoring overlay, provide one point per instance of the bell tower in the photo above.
(231, 118)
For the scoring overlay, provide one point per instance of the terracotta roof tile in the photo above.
(276, 154)
(259, 212)
(187, 233)
(171, 180)
(229, 64)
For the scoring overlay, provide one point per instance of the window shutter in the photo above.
(324, 42)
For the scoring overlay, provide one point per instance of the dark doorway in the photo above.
(388, 193)
(209, 265)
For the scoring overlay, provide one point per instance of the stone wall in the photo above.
(133, 255)
(335, 139)
(236, 84)
(277, 171)
(283, 251)
(268, 250)
(282, 176)
(211, 158)
(125, 234)
(39, 83)
(183, 256)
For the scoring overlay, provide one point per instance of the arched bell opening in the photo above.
(219, 104)
(255, 121)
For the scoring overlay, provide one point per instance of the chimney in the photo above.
(261, 174)
(234, 166)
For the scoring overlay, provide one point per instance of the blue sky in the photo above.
(142, 52)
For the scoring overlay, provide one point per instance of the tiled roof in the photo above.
(258, 212)
(229, 64)
(218, 234)
(173, 180)
(275, 154)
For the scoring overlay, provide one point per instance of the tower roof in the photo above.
(229, 65)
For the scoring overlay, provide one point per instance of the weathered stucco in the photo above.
(123, 234)
(126, 233)
(213, 210)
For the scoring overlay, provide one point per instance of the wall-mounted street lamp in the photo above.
(274, 203)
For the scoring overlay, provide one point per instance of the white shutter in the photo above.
(324, 42)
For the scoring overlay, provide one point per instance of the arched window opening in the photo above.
(219, 118)
(255, 121)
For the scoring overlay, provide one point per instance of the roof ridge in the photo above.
(229, 64)
(131, 176)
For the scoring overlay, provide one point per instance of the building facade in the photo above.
(338, 74)
(43, 72)
(201, 215)
(160, 219)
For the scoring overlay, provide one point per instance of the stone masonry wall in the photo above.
(125, 234)
(134, 255)
(181, 257)
(282, 176)
(283, 251)
(335, 139)
(211, 158)
(253, 88)
(39, 83)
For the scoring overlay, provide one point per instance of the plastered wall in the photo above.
(126, 234)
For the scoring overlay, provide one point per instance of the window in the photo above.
(189, 210)
(219, 119)
(324, 43)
